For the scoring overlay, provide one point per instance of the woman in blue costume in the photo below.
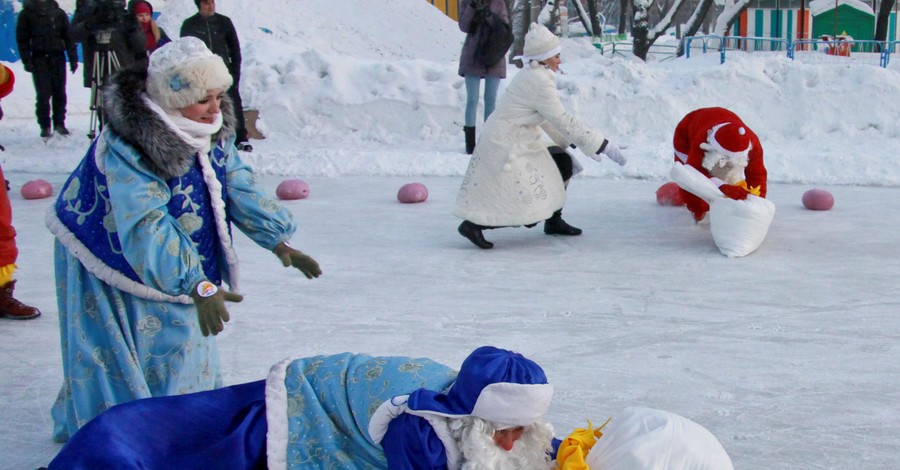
(143, 237)
(343, 411)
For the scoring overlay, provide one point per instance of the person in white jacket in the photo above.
(514, 178)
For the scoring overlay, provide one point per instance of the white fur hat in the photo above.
(182, 71)
(540, 44)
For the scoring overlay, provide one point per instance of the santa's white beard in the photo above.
(475, 438)
(727, 169)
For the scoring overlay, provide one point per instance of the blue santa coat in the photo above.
(126, 336)
(310, 413)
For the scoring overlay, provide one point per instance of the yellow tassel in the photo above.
(754, 190)
(574, 448)
(6, 273)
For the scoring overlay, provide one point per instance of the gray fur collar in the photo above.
(129, 117)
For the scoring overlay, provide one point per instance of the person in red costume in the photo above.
(718, 144)
(9, 306)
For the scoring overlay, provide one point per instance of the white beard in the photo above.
(479, 451)
(727, 169)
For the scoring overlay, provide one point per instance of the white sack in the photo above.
(648, 439)
(738, 227)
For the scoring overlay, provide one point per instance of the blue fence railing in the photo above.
(811, 50)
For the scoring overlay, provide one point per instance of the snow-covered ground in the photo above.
(790, 356)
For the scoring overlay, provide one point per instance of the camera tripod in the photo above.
(105, 63)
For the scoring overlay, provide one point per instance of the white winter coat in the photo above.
(512, 179)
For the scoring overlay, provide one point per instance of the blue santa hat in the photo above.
(493, 384)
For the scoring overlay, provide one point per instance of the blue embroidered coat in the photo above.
(140, 221)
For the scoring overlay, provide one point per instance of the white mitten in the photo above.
(614, 153)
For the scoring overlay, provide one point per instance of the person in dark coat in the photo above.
(218, 32)
(471, 13)
(42, 34)
(94, 17)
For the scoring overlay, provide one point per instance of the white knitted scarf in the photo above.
(196, 134)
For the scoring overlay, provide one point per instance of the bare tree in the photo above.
(644, 35)
(695, 22)
(523, 13)
(583, 16)
(730, 13)
(595, 22)
(549, 16)
(623, 15)
(882, 22)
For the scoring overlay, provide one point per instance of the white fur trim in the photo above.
(513, 403)
(451, 449)
(712, 144)
(390, 409)
(540, 56)
(100, 269)
(181, 72)
(276, 416)
(218, 206)
(387, 411)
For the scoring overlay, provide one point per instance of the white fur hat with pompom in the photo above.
(540, 44)
(181, 72)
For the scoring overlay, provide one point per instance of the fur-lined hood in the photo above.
(137, 125)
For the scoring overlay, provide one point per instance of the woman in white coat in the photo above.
(513, 177)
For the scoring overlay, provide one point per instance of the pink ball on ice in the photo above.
(669, 194)
(412, 192)
(292, 189)
(818, 200)
(37, 189)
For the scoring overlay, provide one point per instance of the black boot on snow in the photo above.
(473, 233)
(557, 226)
(470, 139)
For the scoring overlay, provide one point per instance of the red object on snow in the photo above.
(818, 200)
(292, 189)
(669, 194)
(37, 189)
(7, 81)
(412, 193)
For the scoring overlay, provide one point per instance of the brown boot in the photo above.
(12, 308)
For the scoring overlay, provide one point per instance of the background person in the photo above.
(42, 35)
(156, 36)
(143, 237)
(471, 13)
(218, 33)
(9, 306)
(7, 82)
(513, 177)
(94, 18)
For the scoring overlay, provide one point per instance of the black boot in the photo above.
(470, 139)
(473, 233)
(557, 226)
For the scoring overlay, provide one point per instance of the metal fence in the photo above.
(858, 52)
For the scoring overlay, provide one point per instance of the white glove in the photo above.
(613, 153)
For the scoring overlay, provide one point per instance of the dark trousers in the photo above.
(49, 76)
(241, 130)
(563, 161)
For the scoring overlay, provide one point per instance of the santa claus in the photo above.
(718, 144)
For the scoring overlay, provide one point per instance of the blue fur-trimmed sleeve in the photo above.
(411, 444)
(161, 254)
(253, 211)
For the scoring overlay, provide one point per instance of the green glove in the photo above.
(210, 302)
(291, 257)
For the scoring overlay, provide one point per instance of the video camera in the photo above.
(103, 16)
